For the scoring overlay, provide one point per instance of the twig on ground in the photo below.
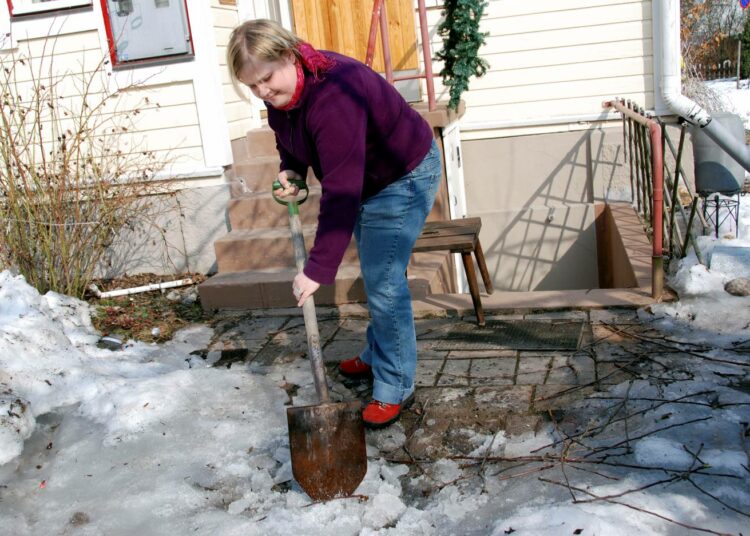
(643, 510)
(714, 497)
(597, 473)
(677, 348)
(617, 445)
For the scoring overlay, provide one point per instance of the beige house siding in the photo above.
(556, 58)
(181, 118)
(167, 119)
(237, 110)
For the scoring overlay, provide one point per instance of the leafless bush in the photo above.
(72, 175)
(707, 98)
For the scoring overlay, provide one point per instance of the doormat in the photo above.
(514, 335)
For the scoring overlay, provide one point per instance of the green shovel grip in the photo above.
(294, 203)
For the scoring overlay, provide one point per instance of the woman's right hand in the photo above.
(288, 190)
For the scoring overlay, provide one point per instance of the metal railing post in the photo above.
(380, 18)
(657, 182)
(376, 7)
(426, 55)
(386, 43)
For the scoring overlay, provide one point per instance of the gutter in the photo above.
(671, 88)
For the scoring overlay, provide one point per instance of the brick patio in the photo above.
(485, 391)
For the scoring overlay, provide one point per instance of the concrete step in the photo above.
(261, 142)
(260, 210)
(258, 249)
(271, 288)
(256, 174)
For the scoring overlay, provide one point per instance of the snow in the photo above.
(150, 439)
(735, 100)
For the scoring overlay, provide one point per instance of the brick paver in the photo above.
(480, 390)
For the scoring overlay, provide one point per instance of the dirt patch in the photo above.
(151, 316)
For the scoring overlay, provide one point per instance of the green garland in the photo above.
(461, 42)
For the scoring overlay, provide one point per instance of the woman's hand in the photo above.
(303, 287)
(288, 190)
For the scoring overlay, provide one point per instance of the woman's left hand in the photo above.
(303, 287)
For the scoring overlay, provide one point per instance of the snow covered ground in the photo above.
(736, 99)
(150, 439)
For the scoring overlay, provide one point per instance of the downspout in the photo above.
(671, 88)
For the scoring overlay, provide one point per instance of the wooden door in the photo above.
(344, 26)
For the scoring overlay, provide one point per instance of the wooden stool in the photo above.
(459, 236)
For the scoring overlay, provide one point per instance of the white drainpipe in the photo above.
(671, 88)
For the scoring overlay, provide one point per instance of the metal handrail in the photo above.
(380, 18)
(656, 179)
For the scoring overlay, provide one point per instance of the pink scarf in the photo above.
(315, 62)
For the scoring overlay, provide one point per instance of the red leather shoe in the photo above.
(355, 368)
(379, 414)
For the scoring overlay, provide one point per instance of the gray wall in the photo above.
(179, 237)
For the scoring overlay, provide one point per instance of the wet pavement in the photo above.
(462, 388)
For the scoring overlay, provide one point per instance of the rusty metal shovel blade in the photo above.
(327, 443)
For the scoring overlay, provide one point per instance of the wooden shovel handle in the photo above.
(308, 309)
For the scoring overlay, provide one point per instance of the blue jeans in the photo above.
(387, 226)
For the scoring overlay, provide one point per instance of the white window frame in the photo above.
(25, 7)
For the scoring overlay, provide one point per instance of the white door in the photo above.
(454, 174)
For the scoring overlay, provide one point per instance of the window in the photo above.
(27, 7)
(145, 31)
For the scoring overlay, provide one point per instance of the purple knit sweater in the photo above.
(359, 135)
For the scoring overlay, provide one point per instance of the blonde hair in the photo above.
(263, 39)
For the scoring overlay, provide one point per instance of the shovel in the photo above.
(327, 440)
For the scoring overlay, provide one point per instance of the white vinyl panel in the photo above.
(502, 21)
(79, 65)
(222, 36)
(221, 57)
(560, 90)
(569, 55)
(225, 18)
(515, 8)
(224, 76)
(572, 18)
(62, 43)
(179, 157)
(166, 117)
(584, 71)
(238, 129)
(549, 108)
(158, 96)
(170, 139)
(231, 97)
(237, 111)
(565, 37)
(241, 127)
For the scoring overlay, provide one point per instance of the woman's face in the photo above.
(271, 81)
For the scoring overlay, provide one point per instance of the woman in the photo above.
(379, 170)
